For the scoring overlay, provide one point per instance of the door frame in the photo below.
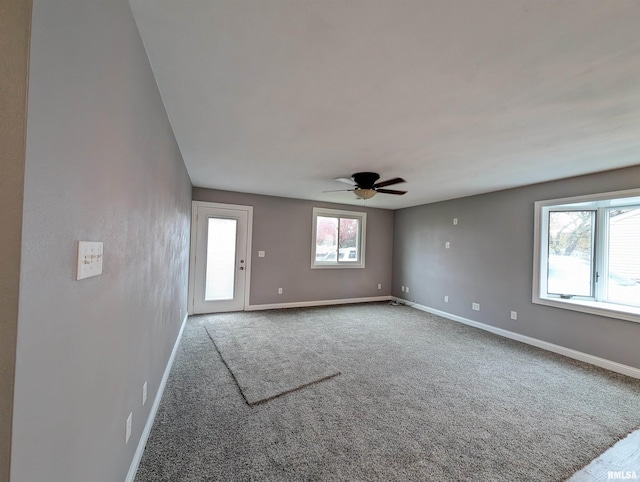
(192, 250)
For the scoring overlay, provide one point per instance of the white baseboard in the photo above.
(133, 468)
(545, 345)
(305, 304)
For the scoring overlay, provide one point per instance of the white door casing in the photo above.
(206, 294)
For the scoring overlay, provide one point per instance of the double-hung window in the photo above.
(338, 239)
(587, 254)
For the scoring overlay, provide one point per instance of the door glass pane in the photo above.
(326, 238)
(570, 262)
(623, 278)
(348, 240)
(221, 259)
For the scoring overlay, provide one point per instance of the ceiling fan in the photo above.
(365, 185)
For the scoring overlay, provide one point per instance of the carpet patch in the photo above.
(266, 364)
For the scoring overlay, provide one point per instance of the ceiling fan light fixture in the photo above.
(364, 185)
(364, 193)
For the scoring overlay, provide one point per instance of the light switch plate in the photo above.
(260, 254)
(89, 259)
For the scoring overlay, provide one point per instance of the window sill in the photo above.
(338, 266)
(611, 310)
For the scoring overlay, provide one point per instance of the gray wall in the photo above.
(282, 228)
(15, 23)
(490, 262)
(102, 164)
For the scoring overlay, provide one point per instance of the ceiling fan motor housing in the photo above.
(365, 180)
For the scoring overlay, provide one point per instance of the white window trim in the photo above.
(361, 216)
(540, 235)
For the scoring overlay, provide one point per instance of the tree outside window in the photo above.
(338, 238)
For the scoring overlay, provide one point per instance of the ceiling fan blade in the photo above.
(346, 180)
(391, 191)
(390, 182)
(340, 190)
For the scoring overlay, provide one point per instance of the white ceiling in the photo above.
(458, 97)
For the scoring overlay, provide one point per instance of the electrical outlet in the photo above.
(514, 315)
(406, 288)
(379, 286)
(279, 291)
(144, 393)
(447, 245)
(455, 221)
(446, 299)
(127, 432)
(475, 306)
(402, 288)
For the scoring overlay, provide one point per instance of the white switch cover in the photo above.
(514, 315)
(455, 221)
(447, 245)
(260, 254)
(475, 306)
(89, 259)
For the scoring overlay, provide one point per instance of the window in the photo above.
(587, 254)
(338, 239)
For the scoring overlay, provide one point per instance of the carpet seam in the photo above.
(287, 392)
(225, 364)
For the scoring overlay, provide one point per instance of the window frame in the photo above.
(362, 229)
(601, 203)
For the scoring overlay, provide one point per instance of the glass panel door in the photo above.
(219, 263)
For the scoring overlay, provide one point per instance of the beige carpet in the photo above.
(419, 398)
